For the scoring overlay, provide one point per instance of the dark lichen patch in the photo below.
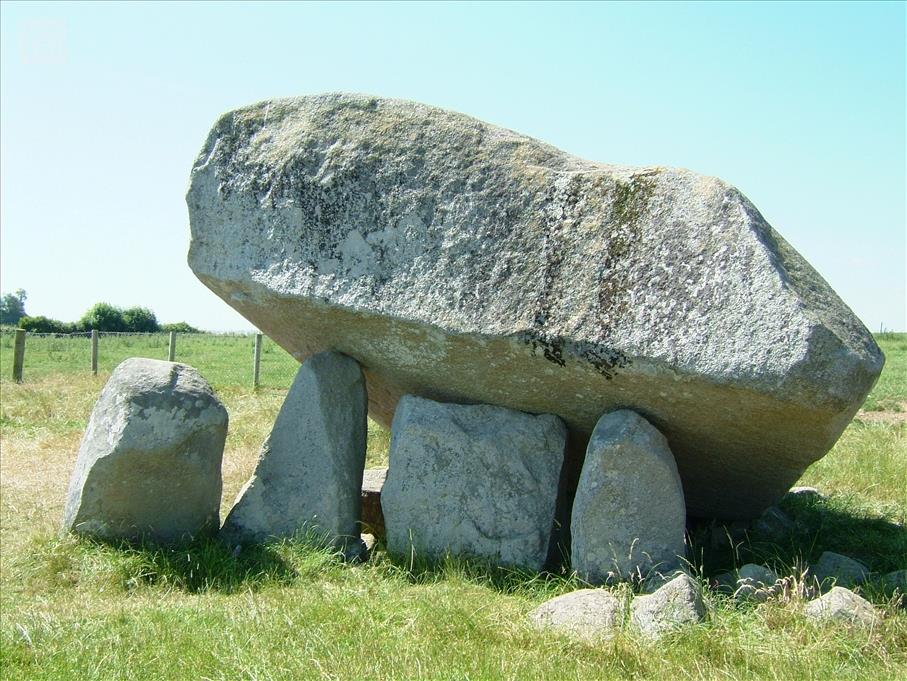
(552, 349)
(629, 204)
(606, 361)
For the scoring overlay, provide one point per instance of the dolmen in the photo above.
(468, 264)
(560, 347)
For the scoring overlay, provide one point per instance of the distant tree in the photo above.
(179, 327)
(103, 317)
(12, 307)
(140, 320)
(39, 324)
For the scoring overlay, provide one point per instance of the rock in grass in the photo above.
(588, 614)
(309, 473)
(629, 515)
(774, 524)
(149, 465)
(676, 604)
(895, 582)
(658, 578)
(836, 569)
(728, 534)
(843, 605)
(756, 583)
(467, 263)
(725, 583)
(472, 480)
(805, 493)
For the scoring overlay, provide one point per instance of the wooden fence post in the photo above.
(94, 351)
(256, 362)
(171, 352)
(18, 355)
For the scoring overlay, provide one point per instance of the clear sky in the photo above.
(103, 108)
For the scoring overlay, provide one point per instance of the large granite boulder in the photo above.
(467, 263)
(149, 465)
(472, 480)
(629, 516)
(309, 475)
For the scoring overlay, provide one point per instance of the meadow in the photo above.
(78, 609)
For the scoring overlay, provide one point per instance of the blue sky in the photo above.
(103, 108)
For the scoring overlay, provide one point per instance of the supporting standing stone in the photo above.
(309, 474)
(629, 514)
(150, 462)
(372, 517)
(473, 480)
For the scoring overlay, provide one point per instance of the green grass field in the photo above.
(224, 360)
(76, 609)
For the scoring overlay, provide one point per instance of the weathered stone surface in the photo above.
(150, 461)
(834, 568)
(674, 605)
(658, 578)
(728, 534)
(805, 493)
(725, 583)
(372, 483)
(588, 614)
(466, 263)
(756, 583)
(309, 473)
(895, 582)
(629, 515)
(775, 523)
(843, 605)
(472, 480)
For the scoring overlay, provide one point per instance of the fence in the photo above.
(244, 360)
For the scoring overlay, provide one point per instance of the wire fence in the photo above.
(225, 360)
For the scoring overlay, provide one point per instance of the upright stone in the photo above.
(472, 480)
(629, 514)
(372, 517)
(150, 461)
(309, 473)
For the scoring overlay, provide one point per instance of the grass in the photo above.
(889, 392)
(73, 608)
(224, 360)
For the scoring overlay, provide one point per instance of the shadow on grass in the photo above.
(201, 565)
(419, 569)
(816, 524)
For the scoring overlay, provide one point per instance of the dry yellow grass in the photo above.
(34, 459)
